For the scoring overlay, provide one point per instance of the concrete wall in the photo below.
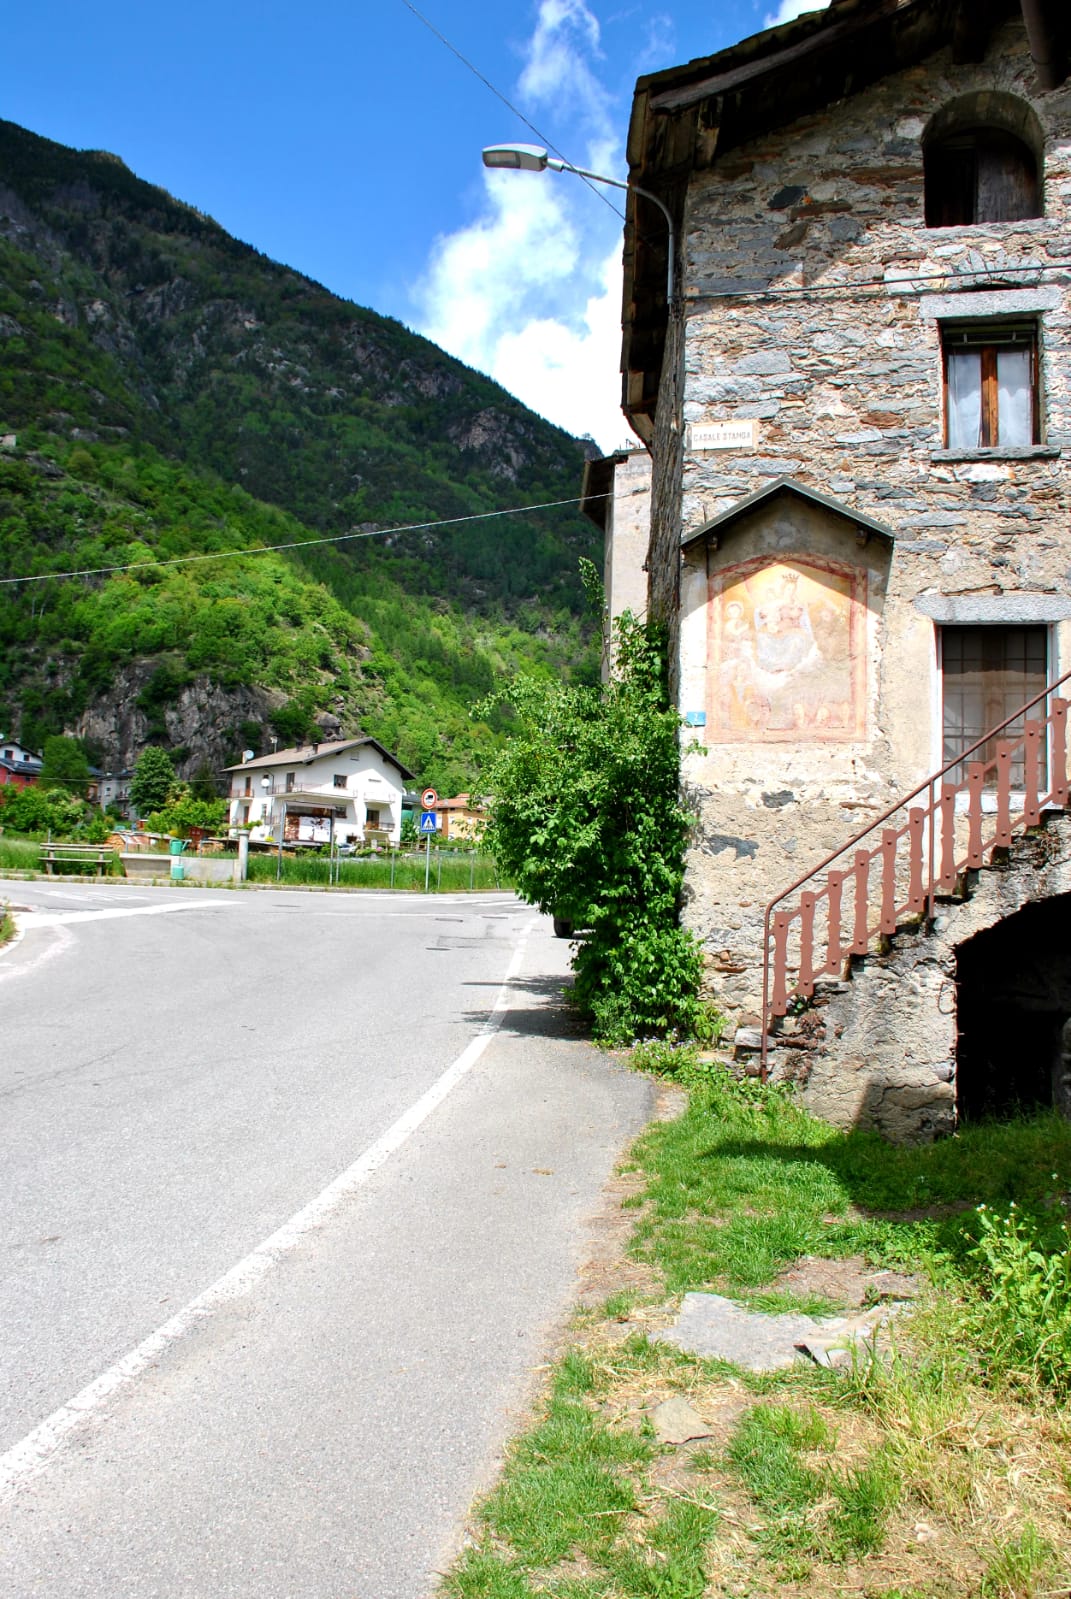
(195, 868)
(814, 298)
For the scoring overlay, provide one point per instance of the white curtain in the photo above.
(964, 399)
(1013, 397)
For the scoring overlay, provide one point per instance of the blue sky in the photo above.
(346, 142)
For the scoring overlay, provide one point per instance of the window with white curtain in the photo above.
(991, 385)
(987, 675)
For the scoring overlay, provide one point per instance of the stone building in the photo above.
(858, 409)
(616, 496)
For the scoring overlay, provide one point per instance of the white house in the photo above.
(350, 789)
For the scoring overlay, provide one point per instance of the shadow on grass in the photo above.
(739, 1188)
(1027, 1159)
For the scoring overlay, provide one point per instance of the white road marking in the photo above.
(46, 952)
(34, 1452)
(32, 919)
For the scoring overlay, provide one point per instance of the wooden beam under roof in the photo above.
(972, 28)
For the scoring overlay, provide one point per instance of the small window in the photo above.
(980, 175)
(290, 782)
(991, 385)
(340, 780)
(987, 674)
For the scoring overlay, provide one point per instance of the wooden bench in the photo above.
(81, 856)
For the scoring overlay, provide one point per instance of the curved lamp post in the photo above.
(533, 158)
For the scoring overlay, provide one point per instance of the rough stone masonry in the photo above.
(811, 619)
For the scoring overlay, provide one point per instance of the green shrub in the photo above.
(183, 812)
(1025, 1300)
(586, 819)
(37, 811)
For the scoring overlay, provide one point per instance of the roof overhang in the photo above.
(597, 486)
(304, 755)
(692, 117)
(720, 526)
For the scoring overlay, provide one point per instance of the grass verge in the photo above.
(935, 1466)
(448, 873)
(19, 854)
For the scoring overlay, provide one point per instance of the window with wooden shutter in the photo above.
(980, 175)
(987, 674)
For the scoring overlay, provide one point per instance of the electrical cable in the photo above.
(298, 544)
(991, 275)
(603, 196)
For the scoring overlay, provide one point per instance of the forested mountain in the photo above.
(165, 392)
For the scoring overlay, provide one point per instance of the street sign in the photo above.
(428, 799)
(429, 822)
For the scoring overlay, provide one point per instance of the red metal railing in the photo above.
(844, 904)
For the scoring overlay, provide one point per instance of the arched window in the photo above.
(981, 162)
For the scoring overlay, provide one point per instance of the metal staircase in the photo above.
(893, 872)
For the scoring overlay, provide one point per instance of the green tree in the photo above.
(65, 765)
(37, 811)
(184, 811)
(586, 819)
(203, 785)
(152, 782)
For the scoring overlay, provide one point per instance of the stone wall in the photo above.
(814, 300)
(880, 1049)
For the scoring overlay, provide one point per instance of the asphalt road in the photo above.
(294, 1188)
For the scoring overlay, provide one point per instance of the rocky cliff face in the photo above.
(203, 724)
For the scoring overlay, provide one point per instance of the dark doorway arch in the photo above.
(1013, 999)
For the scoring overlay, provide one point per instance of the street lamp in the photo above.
(533, 158)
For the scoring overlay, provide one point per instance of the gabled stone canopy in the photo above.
(719, 527)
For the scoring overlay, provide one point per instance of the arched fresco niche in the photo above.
(787, 650)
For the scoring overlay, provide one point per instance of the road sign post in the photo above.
(429, 824)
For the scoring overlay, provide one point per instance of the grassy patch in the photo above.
(448, 874)
(18, 854)
(746, 1182)
(935, 1466)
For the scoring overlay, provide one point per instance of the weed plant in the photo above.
(1023, 1297)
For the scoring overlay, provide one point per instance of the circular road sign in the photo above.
(428, 798)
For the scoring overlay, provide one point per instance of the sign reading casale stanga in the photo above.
(737, 435)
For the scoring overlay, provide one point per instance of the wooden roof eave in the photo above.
(684, 118)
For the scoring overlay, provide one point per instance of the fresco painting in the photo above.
(787, 650)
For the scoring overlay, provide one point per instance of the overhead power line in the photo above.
(296, 544)
(465, 62)
(988, 277)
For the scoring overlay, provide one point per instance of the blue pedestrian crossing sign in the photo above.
(429, 822)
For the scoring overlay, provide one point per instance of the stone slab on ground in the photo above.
(675, 1422)
(719, 1329)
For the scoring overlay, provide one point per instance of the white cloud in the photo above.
(569, 372)
(530, 292)
(788, 9)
